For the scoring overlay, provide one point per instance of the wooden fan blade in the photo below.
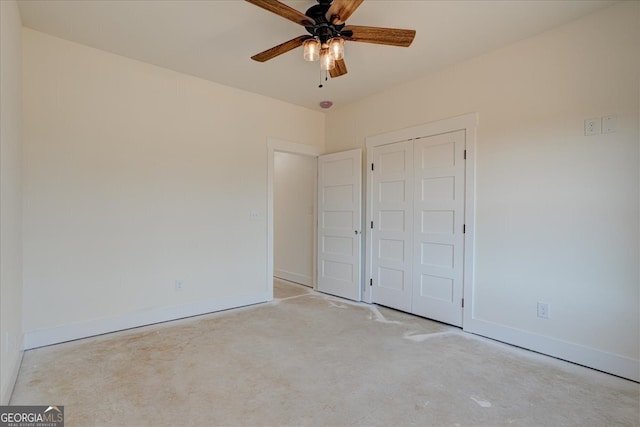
(341, 10)
(339, 70)
(283, 10)
(378, 35)
(280, 49)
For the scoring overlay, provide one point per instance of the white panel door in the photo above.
(392, 205)
(438, 227)
(339, 224)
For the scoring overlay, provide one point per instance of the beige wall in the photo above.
(10, 197)
(135, 177)
(557, 212)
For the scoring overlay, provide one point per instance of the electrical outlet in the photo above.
(592, 126)
(179, 285)
(543, 310)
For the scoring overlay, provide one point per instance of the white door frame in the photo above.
(273, 146)
(468, 123)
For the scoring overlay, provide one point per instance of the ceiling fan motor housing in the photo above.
(322, 28)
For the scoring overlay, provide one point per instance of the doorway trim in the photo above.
(275, 145)
(468, 123)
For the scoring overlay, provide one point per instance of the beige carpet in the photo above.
(311, 359)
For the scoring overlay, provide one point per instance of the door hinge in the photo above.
(372, 225)
(462, 302)
(465, 154)
(372, 166)
(464, 228)
(370, 282)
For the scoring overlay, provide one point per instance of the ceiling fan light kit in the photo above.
(329, 52)
(327, 61)
(311, 49)
(336, 48)
(325, 22)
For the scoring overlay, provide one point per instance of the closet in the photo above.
(417, 199)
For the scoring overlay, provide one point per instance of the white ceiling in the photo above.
(215, 39)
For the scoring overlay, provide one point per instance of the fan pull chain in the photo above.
(326, 78)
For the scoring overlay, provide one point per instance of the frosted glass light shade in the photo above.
(311, 50)
(326, 60)
(336, 47)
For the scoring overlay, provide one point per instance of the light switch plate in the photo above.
(609, 124)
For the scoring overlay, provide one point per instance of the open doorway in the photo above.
(310, 154)
(294, 200)
(337, 241)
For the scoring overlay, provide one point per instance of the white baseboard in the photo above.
(8, 387)
(293, 277)
(49, 336)
(593, 358)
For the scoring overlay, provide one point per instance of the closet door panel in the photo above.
(392, 246)
(439, 174)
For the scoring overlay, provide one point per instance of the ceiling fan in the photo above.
(325, 23)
